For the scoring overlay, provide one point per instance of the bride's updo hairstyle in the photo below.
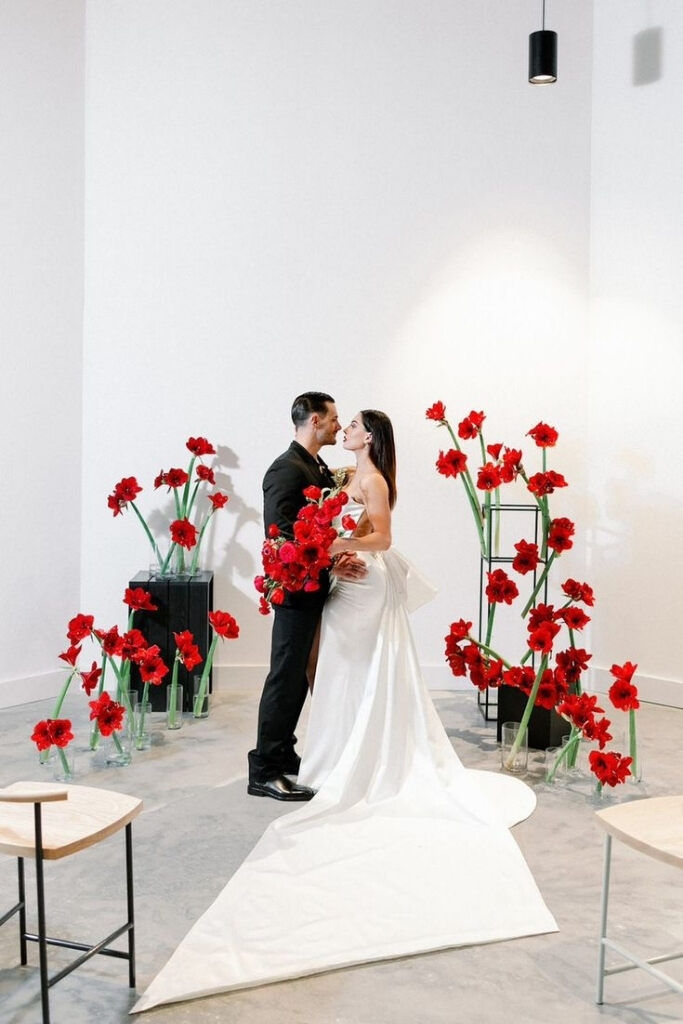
(382, 448)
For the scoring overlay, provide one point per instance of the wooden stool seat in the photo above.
(47, 821)
(653, 827)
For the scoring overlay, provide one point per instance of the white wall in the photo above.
(41, 293)
(637, 338)
(366, 198)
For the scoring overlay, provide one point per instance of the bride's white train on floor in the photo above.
(402, 850)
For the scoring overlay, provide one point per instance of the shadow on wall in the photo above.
(647, 56)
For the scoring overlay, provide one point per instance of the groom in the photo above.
(296, 621)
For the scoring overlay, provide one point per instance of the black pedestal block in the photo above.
(183, 603)
(546, 728)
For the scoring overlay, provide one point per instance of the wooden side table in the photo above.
(655, 828)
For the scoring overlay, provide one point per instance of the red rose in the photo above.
(313, 493)
(205, 473)
(139, 600)
(288, 552)
(200, 446)
(436, 412)
(183, 533)
(224, 624)
(543, 435)
(310, 586)
(526, 558)
(451, 463)
(89, 680)
(260, 584)
(79, 627)
(349, 523)
(278, 596)
(218, 500)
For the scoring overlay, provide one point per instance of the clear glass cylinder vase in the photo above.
(200, 701)
(174, 707)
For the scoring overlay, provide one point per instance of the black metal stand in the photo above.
(484, 697)
(102, 947)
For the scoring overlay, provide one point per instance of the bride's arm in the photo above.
(376, 495)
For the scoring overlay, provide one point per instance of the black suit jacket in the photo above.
(284, 483)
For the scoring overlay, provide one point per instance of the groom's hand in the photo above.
(349, 567)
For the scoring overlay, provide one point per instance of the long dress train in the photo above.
(401, 851)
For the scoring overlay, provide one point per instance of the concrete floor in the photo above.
(199, 824)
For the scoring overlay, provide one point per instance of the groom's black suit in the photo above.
(295, 621)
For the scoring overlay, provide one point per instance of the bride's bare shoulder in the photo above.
(372, 482)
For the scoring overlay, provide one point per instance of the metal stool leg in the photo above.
(603, 918)
(23, 955)
(131, 910)
(42, 944)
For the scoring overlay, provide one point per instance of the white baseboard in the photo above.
(31, 688)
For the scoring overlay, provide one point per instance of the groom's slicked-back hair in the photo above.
(309, 402)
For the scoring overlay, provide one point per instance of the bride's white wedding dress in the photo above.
(401, 851)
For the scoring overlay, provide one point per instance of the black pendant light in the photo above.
(543, 54)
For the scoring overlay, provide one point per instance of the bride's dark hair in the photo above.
(382, 448)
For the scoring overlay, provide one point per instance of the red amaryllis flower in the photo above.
(573, 617)
(488, 477)
(451, 463)
(609, 768)
(471, 425)
(597, 730)
(263, 606)
(551, 689)
(139, 600)
(526, 558)
(624, 672)
(89, 680)
(579, 708)
(493, 673)
(460, 629)
(151, 666)
(127, 489)
(60, 732)
(624, 695)
(184, 533)
(511, 465)
(108, 712)
(187, 649)
(541, 638)
(560, 535)
(579, 592)
(436, 412)
(71, 655)
(494, 451)
(573, 662)
(540, 614)
(455, 657)
(218, 500)
(131, 643)
(200, 446)
(79, 627)
(159, 480)
(500, 587)
(176, 478)
(522, 677)
(110, 640)
(545, 483)
(543, 435)
(205, 473)
(224, 624)
(41, 735)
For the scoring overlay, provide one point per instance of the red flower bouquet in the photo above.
(183, 533)
(551, 629)
(292, 565)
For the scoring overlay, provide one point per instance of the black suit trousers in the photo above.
(286, 686)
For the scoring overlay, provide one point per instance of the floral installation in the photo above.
(184, 535)
(117, 651)
(294, 564)
(551, 629)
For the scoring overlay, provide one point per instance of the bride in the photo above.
(402, 850)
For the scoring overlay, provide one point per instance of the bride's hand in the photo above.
(349, 568)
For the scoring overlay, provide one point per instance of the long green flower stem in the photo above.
(468, 484)
(66, 767)
(165, 562)
(145, 527)
(195, 557)
(541, 580)
(62, 693)
(173, 693)
(531, 699)
(632, 746)
(185, 510)
(203, 682)
(489, 624)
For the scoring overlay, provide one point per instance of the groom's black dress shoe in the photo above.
(280, 788)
